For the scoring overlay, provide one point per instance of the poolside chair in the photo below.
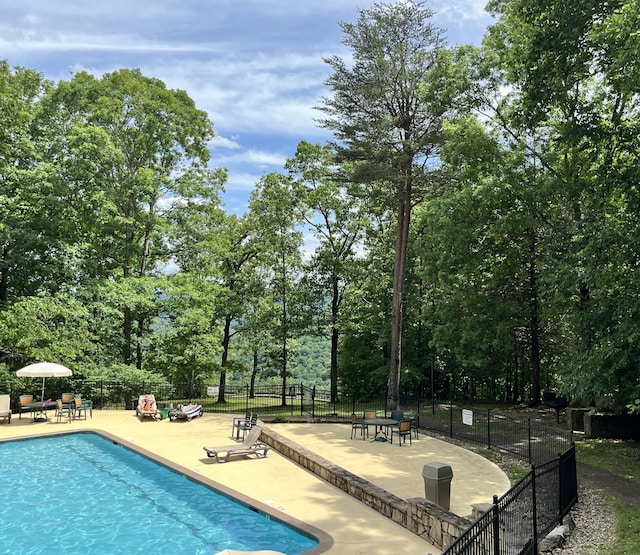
(147, 407)
(25, 404)
(369, 415)
(398, 415)
(62, 410)
(185, 412)
(246, 425)
(5, 407)
(79, 409)
(358, 424)
(237, 422)
(403, 431)
(250, 446)
(67, 399)
(87, 405)
(415, 424)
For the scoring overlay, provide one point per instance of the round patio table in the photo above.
(380, 424)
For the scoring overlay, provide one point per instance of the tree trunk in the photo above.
(140, 335)
(334, 342)
(126, 332)
(4, 277)
(535, 332)
(226, 339)
(399, 270)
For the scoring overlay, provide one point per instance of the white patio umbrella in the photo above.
(44, 370)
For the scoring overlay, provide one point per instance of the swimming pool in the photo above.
(82, 493)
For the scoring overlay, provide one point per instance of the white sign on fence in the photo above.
(467, 417)
(213, 390)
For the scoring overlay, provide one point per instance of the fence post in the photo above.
(560, 481)
(488, 428)
(301, 397)
(313, 402)
(496, 526)
(534, 511)
(529, 454)
(450, 419)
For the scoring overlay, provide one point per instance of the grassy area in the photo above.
(622, 458)
(617, 456)
(627, 530)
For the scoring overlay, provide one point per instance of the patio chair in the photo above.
(403, 431)
(358, 424)
(415, 424)
(62, 410)
(5, 407)
(398, 415)
(67, 399)
(237, 421)
(79, 409)
(147, 407)
(250, 446)
(87, 405)
(245, 425)
(369, 415)
(25, 404)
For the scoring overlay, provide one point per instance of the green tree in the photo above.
(33, 245)
(122, 144)
(335, 216)
(386, 112)
(573, 68)
(185, 345)
(40, 327)
(280, 244)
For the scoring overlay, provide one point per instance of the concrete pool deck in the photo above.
(281, 484)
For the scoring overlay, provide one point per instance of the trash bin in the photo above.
(437, 483)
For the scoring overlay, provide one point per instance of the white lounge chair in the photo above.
(5, 407)
(250, 446)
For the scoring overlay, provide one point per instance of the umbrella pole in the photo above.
(42, 394)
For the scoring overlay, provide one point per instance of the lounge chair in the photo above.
(250, 446)
(147, 407)
(185, 412)
(5, 407)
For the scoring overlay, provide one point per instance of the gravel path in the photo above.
(594, 525)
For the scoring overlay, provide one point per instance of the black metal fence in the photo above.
(527, 512)
(514, 524)
(524, 439)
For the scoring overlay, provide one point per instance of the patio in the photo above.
(280, 483)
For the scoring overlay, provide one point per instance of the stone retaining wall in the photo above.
(425, 519)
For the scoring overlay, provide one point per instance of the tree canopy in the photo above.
(471, 231)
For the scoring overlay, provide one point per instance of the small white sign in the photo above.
(467, 417)
(213, 390)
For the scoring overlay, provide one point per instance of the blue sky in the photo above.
(256, 66)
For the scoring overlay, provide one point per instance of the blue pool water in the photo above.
(83, 494)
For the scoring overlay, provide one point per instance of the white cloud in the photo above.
(255, 66)
(223, 142)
